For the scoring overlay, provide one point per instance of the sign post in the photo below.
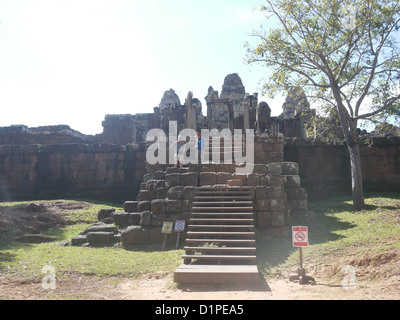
(179, 227)
(300, 240)
(166, 229)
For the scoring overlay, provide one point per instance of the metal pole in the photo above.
(177, 240)
(301, 257)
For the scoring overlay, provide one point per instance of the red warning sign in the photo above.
(300, 236)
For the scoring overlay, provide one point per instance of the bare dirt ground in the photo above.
(331, 284)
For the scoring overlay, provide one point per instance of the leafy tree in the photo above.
(344, 54)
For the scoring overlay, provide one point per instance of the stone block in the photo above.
(159, 184)
(157, 220)
(121, 219)
(135, 218)
(208, 167)
(172, 170)
(135, 235)
(173, 206)
(155, 235)
(241, 177)
(99, 227)
(277, 219)
(253, 179)
(291, 181)
(146, 195)
(274, 168)
(260, 169)
(296, 193)
(298, 205)
(175, 193)
(276, 193)
(225, 167)
(234, 183)
(78, 240)
(161, 193)
(105, 213)
(263, 219)
(262, 180)
(100, 237)
(187, 205)
(172, 180)
(261, 205)
(158, 206)
(208, 178)
(277, 205)
(274, 180)
(130, 206)
(144, 206)
(223, 177)
(190, 179)
(290, 168)
(148, 176)
(159, 175)
(145, 218)
(189, 192)
(261, 192)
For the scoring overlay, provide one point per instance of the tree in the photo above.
(343, 54)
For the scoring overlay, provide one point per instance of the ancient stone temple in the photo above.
(220, 206)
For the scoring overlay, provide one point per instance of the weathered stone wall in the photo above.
(325, 168)
(59, 134)
(96, 171)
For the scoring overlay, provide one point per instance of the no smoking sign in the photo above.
(300, 236)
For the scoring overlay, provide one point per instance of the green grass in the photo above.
(337, 231)
(27, 260)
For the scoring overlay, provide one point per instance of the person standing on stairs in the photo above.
(200, 146)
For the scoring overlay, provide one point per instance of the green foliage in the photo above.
(342, 53)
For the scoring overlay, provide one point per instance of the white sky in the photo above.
(73, 61)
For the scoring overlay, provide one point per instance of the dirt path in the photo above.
(276, 289)
(162, 287)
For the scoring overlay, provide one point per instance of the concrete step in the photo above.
(214, 234)
(212, 221)
(228, 203)
(219, 257)
(233, 208)
(193, 273)
(249, 250)
(222, 214)
(220, 227)
(221, 197)
(247, 242)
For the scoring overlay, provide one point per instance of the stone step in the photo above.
(249, 242)
(224, 197)
(220, 226)
(212, 221)
(214, 234)
(219, 249)
(225, 214)
(218, 257)
(230, 208)
(217, 202)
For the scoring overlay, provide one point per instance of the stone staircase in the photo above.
(220, 243)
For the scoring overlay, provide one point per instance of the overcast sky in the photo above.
(74, 61)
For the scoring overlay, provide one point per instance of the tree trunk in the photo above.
(349, 128)
(356, 177)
